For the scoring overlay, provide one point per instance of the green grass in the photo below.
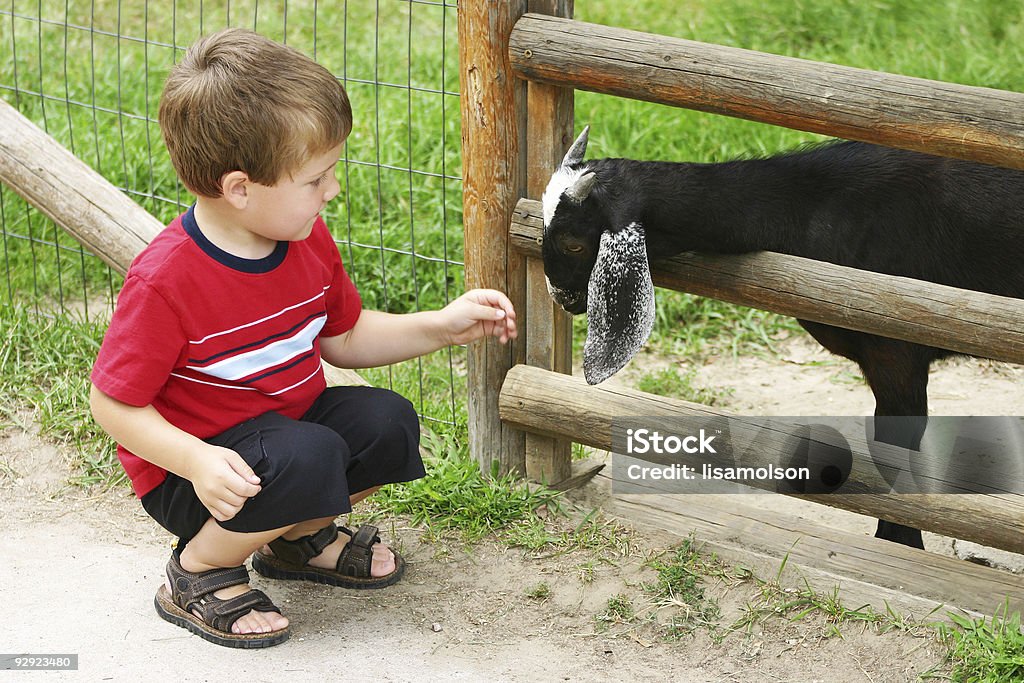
(539, 592)
(620, 609)
(679, 383)
(456, 497)
(456, 501)
(986, 650)
(44, 377)
(680, 589)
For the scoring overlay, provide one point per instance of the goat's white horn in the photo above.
(579, 190)
(578, 149)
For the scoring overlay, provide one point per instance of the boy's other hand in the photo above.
(479, 313)
(223, 481)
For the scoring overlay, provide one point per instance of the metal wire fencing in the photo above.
(90, 73)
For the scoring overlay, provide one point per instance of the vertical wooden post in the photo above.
(493, 104)
(548, 328)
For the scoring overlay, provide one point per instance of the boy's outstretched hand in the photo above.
(479, 313)
(380, 338)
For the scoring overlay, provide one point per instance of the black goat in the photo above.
(874, 208)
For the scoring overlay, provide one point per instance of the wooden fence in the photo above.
(517, 108)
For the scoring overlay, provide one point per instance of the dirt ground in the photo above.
(79, 572)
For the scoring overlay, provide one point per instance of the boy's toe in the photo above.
(383, 561)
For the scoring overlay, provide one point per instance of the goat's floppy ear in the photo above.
(620, 303)
(578, 149)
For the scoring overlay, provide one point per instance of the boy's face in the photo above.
(287, 210)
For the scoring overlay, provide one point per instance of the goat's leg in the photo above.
(897, 372)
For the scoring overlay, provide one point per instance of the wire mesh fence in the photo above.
(90, 73)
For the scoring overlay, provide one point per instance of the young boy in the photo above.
(209, 377)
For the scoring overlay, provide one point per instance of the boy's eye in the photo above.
(319, 181)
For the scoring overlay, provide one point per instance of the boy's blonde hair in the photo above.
(241, 102)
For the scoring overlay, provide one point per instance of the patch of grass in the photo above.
(539, 592)
(691, 326)
(679, 591)
(796, 604)
(456, 496)
(619, 610)
(679, 383)
(985, 650)
(44, 368)
(586, 571)
(677, 603)
(580, 452)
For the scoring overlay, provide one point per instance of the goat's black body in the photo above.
(874, 208)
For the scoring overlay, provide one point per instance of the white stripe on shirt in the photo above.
(272, 355)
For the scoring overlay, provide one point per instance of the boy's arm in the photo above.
(222, 479)
(384, 338)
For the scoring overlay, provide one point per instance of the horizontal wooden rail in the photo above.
(980, 124)
(960, 320)
(558, 405)
(70, 193)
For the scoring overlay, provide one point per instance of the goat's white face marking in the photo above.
(620, 303)
(561, 180)
(565, 176)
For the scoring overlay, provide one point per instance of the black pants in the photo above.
(350, 440)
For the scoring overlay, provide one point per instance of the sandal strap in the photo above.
(301, 550)
(357, 555)
(222, 614)
(188, 587)
(193, 591)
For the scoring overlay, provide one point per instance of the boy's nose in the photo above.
(333, 188)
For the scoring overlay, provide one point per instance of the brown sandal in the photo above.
(194, 591)
(290, 559)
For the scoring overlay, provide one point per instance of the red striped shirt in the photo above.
(211, 340)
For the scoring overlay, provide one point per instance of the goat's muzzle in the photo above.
(574, 302)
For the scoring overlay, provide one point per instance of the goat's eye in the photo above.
(574, 248)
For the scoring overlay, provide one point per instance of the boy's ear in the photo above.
(234, 187)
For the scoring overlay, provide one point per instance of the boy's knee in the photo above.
(398, 422)
(395, 408)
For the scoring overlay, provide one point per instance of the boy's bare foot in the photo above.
(253, 622)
